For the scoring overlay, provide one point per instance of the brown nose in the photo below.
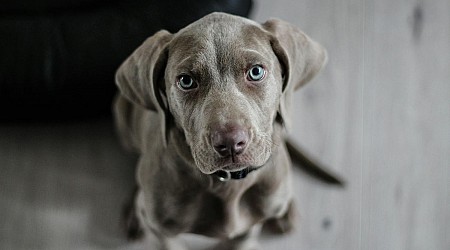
(230, 141)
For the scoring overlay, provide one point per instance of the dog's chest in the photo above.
(229, 212)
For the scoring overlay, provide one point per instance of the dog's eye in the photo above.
(185, 82)
(256, 73)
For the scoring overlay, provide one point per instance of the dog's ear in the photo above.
(140, 78)
(301, 59)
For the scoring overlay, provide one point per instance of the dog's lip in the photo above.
(234, 167)
(227, 164)
(230, 164)
(241, 162)
(228, 168)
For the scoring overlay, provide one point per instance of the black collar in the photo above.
(223, 175)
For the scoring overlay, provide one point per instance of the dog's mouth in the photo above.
(232, 167)
(224, 175)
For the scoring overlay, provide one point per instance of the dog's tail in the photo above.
(310, 166)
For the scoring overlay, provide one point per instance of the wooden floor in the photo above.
(379, 114)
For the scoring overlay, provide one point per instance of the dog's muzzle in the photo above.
(224, 176)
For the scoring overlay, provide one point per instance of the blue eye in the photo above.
(256, 73)
(185, 82)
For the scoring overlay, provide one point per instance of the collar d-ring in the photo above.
(223, 175)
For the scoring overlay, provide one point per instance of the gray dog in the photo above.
(206, 109)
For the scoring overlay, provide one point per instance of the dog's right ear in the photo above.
(141, 77)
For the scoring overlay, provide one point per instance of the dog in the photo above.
(207, 110)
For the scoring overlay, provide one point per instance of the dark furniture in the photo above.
(58, 58)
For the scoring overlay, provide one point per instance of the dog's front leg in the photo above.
(156, 239)
(247, 241)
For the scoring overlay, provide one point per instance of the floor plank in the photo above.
(380, 114)
(62, 186)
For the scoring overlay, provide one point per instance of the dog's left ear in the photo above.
(301, 59)
(141, 77)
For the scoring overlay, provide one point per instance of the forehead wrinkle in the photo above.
(252, 51)
(184, 62)
(251, 56)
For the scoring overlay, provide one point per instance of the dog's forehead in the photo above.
(217, 24)
(220, 37)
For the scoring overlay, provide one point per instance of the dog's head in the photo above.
(224, 81)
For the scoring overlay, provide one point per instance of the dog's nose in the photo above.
(230, 141)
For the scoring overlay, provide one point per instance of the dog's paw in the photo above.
(233, 245)
(278, 226)
(130, 222)
(282, 225)
(133, 228)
